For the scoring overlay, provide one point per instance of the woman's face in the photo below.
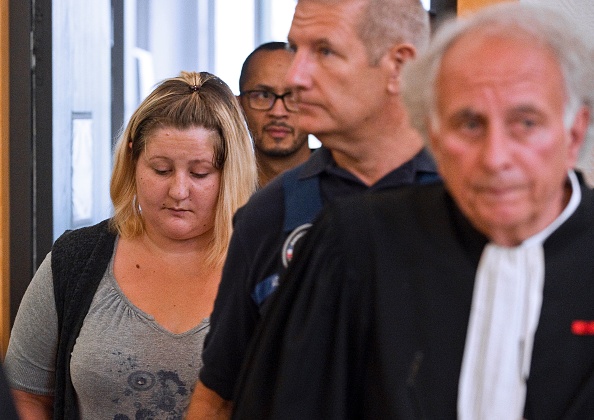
(177, 184)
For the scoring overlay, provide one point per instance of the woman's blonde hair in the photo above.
(189, 100)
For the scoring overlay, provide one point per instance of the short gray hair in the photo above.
(385, 23)
(549, 27)
(390, 22)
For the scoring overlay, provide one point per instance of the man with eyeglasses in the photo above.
(345, 71)
(270, 108)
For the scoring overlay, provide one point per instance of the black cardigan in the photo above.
(79, 260)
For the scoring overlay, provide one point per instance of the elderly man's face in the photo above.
(501, 144)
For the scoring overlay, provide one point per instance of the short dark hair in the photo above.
(268, 46)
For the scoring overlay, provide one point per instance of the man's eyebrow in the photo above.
(267, 88)
(464, 114)
(323, 42)
(526, 108)
(316, 42)
(261, 86)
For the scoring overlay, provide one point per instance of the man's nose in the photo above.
(299, 72)
(496, 147)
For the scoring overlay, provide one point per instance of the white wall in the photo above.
(234, 38)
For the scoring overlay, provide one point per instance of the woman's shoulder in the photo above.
(82, 254)
(86, 232)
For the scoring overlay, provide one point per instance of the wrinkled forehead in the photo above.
(497, 57)
(345, 15)
(476, 39)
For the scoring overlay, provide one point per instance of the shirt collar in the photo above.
(322, 161)
(572, 205)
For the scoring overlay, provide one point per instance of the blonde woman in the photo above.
(113, 322)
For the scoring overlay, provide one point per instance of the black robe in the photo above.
(370, 320)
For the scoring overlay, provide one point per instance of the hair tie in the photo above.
(194, 88)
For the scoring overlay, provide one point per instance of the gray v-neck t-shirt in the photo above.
(124, 364)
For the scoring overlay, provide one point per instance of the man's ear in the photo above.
(396, 57)
(578, 132)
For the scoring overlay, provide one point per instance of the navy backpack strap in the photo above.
(427, 178)
(303, 199)
(303, 202)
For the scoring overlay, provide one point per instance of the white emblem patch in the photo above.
(289, 245)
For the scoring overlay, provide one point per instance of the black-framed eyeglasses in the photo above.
(264, 100)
